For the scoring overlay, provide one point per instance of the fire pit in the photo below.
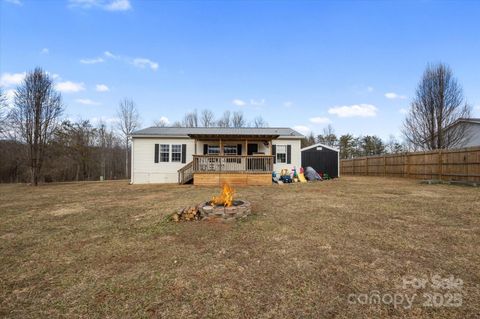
(239, 208)
(222, 207)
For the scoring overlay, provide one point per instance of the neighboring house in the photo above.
(213, 156)
(472, 132)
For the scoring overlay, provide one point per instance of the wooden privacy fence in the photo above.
(457, 164)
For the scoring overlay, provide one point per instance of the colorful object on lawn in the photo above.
(301, 178)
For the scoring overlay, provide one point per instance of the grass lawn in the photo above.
(309, 250)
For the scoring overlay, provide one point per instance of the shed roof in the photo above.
(320, 145)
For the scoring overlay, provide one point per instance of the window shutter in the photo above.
(239, 149)
(184, 153)
(205, 149)
(274, 153)
(289, 154)
(157, 150)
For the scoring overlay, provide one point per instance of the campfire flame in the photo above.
(225, 198)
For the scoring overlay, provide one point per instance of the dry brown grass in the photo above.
(106, 250)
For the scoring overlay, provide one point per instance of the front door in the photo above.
(252, 148)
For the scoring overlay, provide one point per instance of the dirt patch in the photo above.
(68, 210)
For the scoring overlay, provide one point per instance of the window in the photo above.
(213, 149)
(281, 153)
(176, 153)
(164, 152)
(230, 150)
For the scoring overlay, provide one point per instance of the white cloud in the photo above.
(164, 120)
(257, 102)
(17, 2)
(109, 5)
(11, 79)
(302, 129)
(239, 102)
(70, 87)
(403, 110)
(92, 61)
(109, 54)
(102, 88)
(288, 103)
(45, 51)
(142, 63)
(118, 5)
(137, 62)
(87, 102)
(251, 102)
(394, 96)
(361, 110)
(320, 120)
(370, 89)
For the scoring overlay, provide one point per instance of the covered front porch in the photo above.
(233, 159)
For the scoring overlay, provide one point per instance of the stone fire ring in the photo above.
(239, 209)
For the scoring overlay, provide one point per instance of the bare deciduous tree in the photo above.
(3, 112)
(162, 122)
(328, 137)
(207, 118)
(128, 122)
(259, 122)
(190, 119)
(437, 106)
(37, 108)
(238, 120)
(225, 121)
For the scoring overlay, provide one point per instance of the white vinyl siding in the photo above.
(295, 154)
(144, 168)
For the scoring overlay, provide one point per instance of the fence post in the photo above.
(366, 166)
(440, 164)
(384, 165)
(407, 164)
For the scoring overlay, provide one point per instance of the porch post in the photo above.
(221, 147)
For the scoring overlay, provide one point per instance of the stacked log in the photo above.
(187, 214)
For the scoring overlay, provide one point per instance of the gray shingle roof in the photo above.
(187, 131)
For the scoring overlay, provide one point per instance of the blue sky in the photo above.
(353, 64)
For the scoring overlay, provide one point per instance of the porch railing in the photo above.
(185, 174)
(232, 164)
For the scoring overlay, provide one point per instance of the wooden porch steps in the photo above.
(185, 174)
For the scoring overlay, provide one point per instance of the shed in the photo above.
(323, 158)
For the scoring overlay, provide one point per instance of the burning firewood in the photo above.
(225, 198)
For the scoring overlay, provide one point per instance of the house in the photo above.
(322, 158)
(213, 155)
(471, 126)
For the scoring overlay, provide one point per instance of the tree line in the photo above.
(38, 145)
(351, 146)
(206, 118)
